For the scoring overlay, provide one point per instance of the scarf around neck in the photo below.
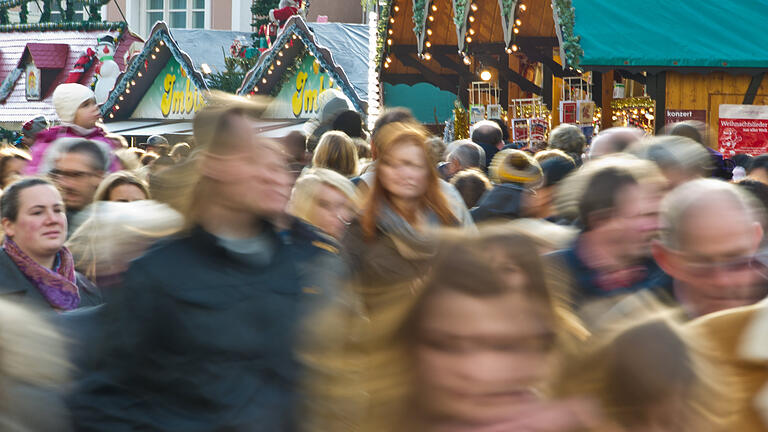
(58, 286)
(411, 243)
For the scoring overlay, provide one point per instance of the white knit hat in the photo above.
(67, 98)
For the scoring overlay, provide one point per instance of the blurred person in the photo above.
(122, 186)
(471, 184)
(129, 159)
(535, 146)
(741, 163)
(336, 152)
(711, 231)
(758, 169)
(295, 144)
(366, 180)
(13, 161)
(34, 372)
(515, 174)
(350, 122)
(156, 144)
(161, 163)
(325, 199)
(680, 159)
(551, 154)
(614, 140)
(363, 149)
(119, 142)
(541, 203)
(77, 172)
(617, 205)
(722, 167)
(30, 129)
(35, 268)
(570, 139)
(464, 155)
(148, 158)
(393, 239)
(488, 135)
(331, 103)
(757, 189)
(437, 147)
(504, 131)
(482, 338)
(76, 107)
(180, 151)
(230, 294)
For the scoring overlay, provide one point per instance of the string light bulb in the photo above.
(264, 80)
(515, 48)
(391, 20)
(523, 7)
(429, 32)
(428, 44)
(431, 18)
(518, 22)
(397, 8)
(157, 49)
(386, 65)
(280, 53)
(428, 56)
(469, 39)
(485, 75)
(140, 75)
(153, 57)
(467, 61)
(111, 115)
(255, 88)
(434, 8)
(516, 30)
(474, 7)
(389, 41)
(278, 62)
(471, 18)
(472, 31)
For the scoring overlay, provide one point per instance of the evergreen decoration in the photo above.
(232, 77)
(507, 5)
(289, 72)
(460, 12)
(69, 12)
(23, 13)
(45, 17)
(418, 16)
(4, 16)
(95, 13)
(84, 26)
(260, 11)
(566, 20)
(10, 136)
(13, 3)
(381, 32)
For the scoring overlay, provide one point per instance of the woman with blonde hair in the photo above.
(337, 152)
(12, 164)
(325, 199)
(122, 186)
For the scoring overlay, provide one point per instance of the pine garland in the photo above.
(4, 16)
(567, 20)
(381, 32)
(230, 79)
(23, 13)
(71, 26)
(507, 6)
(459, 11)
(289, 72)
(260, 11)
(95, 13)
(418, 17)
(46, 15)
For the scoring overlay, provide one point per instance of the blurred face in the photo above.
(40, 228)
(74, 175)
(635, 222)
(333, 211)
(88, 114)
(126, 193)
(13, 169)
(254, 178)
(404, 171)
(715, 263)
(479, 360)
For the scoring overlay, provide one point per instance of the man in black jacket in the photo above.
(201, 335)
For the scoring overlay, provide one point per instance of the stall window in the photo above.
(177, 13)
(58, 9)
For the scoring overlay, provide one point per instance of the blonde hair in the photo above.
(303, 198)
(117, 179)
(551, 154)
(128, 158)
(336, 151)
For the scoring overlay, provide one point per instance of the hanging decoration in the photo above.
(565, 17)
(507, 8)
(635, 112)
(461, 11)
(460, 121)
(260, 12)
(8, 135)
(420, 14)
(83, 63)
(84, 26)
(383, 32)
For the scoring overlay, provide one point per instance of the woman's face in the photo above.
(403, 171)
(332, 212)
(480, 359)
(40, 228)
(126, 193)
(13, 169)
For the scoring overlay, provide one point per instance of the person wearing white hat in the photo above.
(77, 110)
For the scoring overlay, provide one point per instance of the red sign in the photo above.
(743, 129)
(676, 116)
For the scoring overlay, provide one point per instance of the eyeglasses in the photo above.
(757, 263)
(75, 175)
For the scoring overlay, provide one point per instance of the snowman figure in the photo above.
(107, 70)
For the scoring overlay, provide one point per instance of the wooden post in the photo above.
(547, 86)
(607, 97)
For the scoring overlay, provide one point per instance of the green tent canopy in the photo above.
(670, 34)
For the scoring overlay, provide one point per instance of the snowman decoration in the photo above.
(107, 70)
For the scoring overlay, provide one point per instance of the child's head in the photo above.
(76, 104)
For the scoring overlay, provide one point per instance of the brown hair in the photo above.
(336, 152)
(8, 153)
(390, 137)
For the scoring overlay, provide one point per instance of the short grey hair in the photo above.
(567, 138)
(697, 194)
(469, 155)
(676, 152)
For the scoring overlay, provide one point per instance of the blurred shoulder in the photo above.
(312, 238)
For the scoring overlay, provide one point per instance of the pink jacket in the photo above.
(45, 138)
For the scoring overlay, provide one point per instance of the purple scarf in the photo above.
(58, 285)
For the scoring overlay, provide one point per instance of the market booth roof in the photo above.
(670, 34)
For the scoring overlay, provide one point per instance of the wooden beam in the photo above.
(634, 76)
(411, 79)
(606, 99)
(512, 75)
(530, 42)
(547, 86)
(448, 63)
(754, 86)
(431, 76)
(657, 90)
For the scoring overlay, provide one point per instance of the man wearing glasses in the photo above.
(77, 171)
(711, 234)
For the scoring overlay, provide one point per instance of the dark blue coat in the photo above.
(200, 340)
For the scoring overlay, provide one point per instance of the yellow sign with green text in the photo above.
(299, 97)
(171, 96)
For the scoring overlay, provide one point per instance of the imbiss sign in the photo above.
(677, 116)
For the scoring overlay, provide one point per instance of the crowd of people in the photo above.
(382, 280)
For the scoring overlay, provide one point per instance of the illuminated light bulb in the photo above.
(255, 88)
(153, 57)
(121, 97)
(386, 65)
(434, 8)
(515, 48)
(469, 39)
(111, 115)
(509, 51)
(467, 61)
(280, 54)
(278, 62)
(397, 8)
(389, 41)
(428, 44)
(516, 30)
(391, 20)
(429, 32)
(269, 72)
(485, 75)
(295, 37)
(388, 59)
(431, 18)
(133, 83)
(391, 31)
(523, 7)
(474, 7)
(140, 75)
(264, 80)
(287, 46)
(518, 22)
(428, 56)
(128, 91)
(472, 31)
(117, 107)
(471, 18)
(157, 49)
